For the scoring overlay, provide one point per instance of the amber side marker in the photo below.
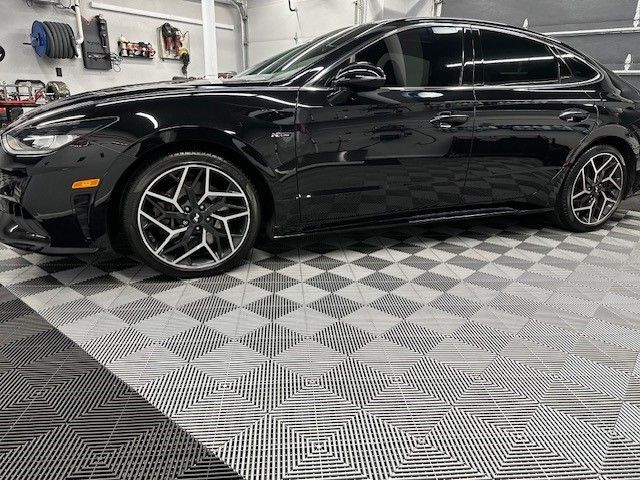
(88, 183)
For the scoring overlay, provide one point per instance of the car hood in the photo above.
(131, 91)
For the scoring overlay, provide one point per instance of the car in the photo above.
(409, 121)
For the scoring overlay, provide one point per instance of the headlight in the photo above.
(36, 140)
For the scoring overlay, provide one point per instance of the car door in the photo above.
(397, 150)
(531, 113)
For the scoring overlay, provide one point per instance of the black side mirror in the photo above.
(360, 76)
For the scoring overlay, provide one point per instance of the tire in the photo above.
(577, 215)
(226, 230)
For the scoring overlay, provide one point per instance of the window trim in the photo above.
(314, 82)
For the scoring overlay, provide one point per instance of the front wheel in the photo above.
(191, 214)
(593, 189)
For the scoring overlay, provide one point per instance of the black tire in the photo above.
(140, 181)
(564, 215)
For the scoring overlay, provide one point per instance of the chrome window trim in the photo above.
(549, 43)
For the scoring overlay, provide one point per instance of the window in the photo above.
(418, 57)
(512, 59)
(288, 63)
(573, 69)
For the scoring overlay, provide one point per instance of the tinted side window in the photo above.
(512, 59)
(419, 57)
(578, 71)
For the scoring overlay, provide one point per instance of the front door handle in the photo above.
(449, 120)
(574, 115)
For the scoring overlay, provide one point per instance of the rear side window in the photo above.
(511, 59)
(418, 57)
(574, 69)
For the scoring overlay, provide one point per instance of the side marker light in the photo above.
(88, 183)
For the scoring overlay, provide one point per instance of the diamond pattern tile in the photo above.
(494, 350)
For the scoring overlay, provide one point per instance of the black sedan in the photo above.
(406, 121)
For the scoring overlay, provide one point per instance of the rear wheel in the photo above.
(191, 214)
(593, 189)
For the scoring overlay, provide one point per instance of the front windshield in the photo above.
(288, 63)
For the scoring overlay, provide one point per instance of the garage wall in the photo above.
(22, 62)
(273, 28)
(562, 15)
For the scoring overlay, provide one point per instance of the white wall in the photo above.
(273, 28)
(22, 62)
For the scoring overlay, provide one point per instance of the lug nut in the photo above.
(201, 207)
(208, 219)
(187, 209)
(198, 229)
(185, 222)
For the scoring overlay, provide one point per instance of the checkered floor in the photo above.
(491, 350)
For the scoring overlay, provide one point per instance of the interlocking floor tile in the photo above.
(64, 415)
(494, 350)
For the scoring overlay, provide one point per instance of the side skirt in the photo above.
(419, 220)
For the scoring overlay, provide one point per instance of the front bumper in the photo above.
(19, 231)
(16, 231)
(18, 227)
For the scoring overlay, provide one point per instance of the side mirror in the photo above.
(360, 76)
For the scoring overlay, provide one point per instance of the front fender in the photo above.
(262, 160)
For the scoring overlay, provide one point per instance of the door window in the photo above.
(509, 59)
(418, 57)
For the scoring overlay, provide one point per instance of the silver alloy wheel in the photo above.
(193, 217)
(597, 190)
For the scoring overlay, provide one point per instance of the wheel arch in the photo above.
(620, 138)
(212, 141)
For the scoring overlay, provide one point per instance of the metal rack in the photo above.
(21, 95)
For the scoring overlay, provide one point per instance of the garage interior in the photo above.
(493, 349)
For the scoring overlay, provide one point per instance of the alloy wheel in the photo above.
(598, 189)
(193, 217)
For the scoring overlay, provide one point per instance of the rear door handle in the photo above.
(574, 115)
(449, 120)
